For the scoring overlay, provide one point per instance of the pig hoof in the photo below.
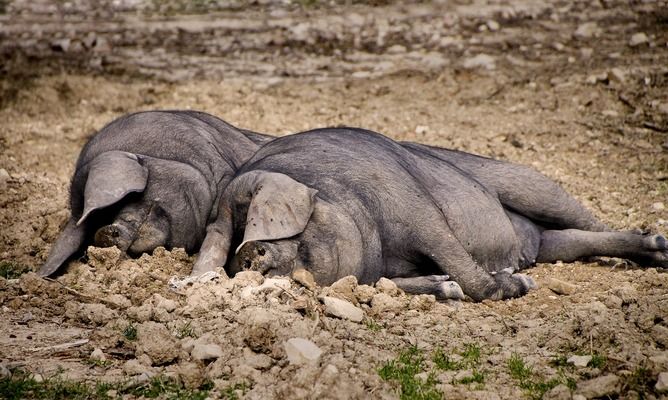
(526, 281)
(450, 290)
(656, 242)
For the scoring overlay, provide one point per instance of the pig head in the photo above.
(150, 179)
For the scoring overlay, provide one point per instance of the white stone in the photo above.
(493, 25)
(388, 286)
(302, 351)
(97, 355)
(662, 382)
(587, 30)
(579, 361)
(342, 309)
(637, 39)
(480, 61)
(658, 206)
(206, 351)
(606, 385)
(383, 302)
(4, 177)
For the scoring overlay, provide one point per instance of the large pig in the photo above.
(150, 179)
(346, 201)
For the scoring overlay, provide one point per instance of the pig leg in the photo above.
(438, 285)
(451, 257)
(519, 188)
(572, 244)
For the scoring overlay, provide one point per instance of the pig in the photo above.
(347, 201)
(150, 179)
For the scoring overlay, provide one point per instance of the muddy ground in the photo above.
(578, 90)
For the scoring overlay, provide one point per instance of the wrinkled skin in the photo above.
(352, 202)
(150, 179)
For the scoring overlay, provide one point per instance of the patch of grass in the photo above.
(372, 325)
(130, 332)
(523, 374)
(99, 363)
(597, 361)
(186, 331)
(443, 361)
(230, 392)
(12, 270)
(471, 353)
(403, 370)
(470, 358)
(22, 385)
(478, 377)
(641, 381)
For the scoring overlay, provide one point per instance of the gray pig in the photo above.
(150, 179)
(346, 201)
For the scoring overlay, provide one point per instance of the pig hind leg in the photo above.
(572, 244)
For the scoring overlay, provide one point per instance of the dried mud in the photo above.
(583, 103)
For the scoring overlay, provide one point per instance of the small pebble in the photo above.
(561, 287)
(638, 39)
(302, 351)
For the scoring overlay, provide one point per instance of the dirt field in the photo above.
(578, 90)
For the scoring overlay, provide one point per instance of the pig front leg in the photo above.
(445, 250)
(439, 285)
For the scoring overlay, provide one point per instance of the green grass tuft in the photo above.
(130, 332)
(22, 385)
(403, 370)
(535, 387)
(12, 270)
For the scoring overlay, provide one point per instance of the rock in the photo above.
(387, 286)
(480, 61)
(465, 374)
(134, 367)
(422, 302)
(658, 206)
(364, 293)
(245, 278)
(607, 385)
(561, 287)
(4, 178)
(396, 49)
(382, 302)
(190, 373)
(587, 30)
(97, 314)
(579, 361)
(154, 340)
(206, 351)
(97, 355)
(163, 303)
(559, 392)
(103, 258)
(345, 288)
(493, 25)
(342, 309)
(302, 351)
(304, 278)
(662, 382)
(5, 373)
(119, 301)
(578, 397)
(617, 75)
(260, 362)
(638, 39)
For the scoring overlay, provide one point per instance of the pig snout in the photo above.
(269, 258)
(113, 235)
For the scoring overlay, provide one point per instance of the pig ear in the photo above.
(69, 241)
(112, 175)
(280, 208)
